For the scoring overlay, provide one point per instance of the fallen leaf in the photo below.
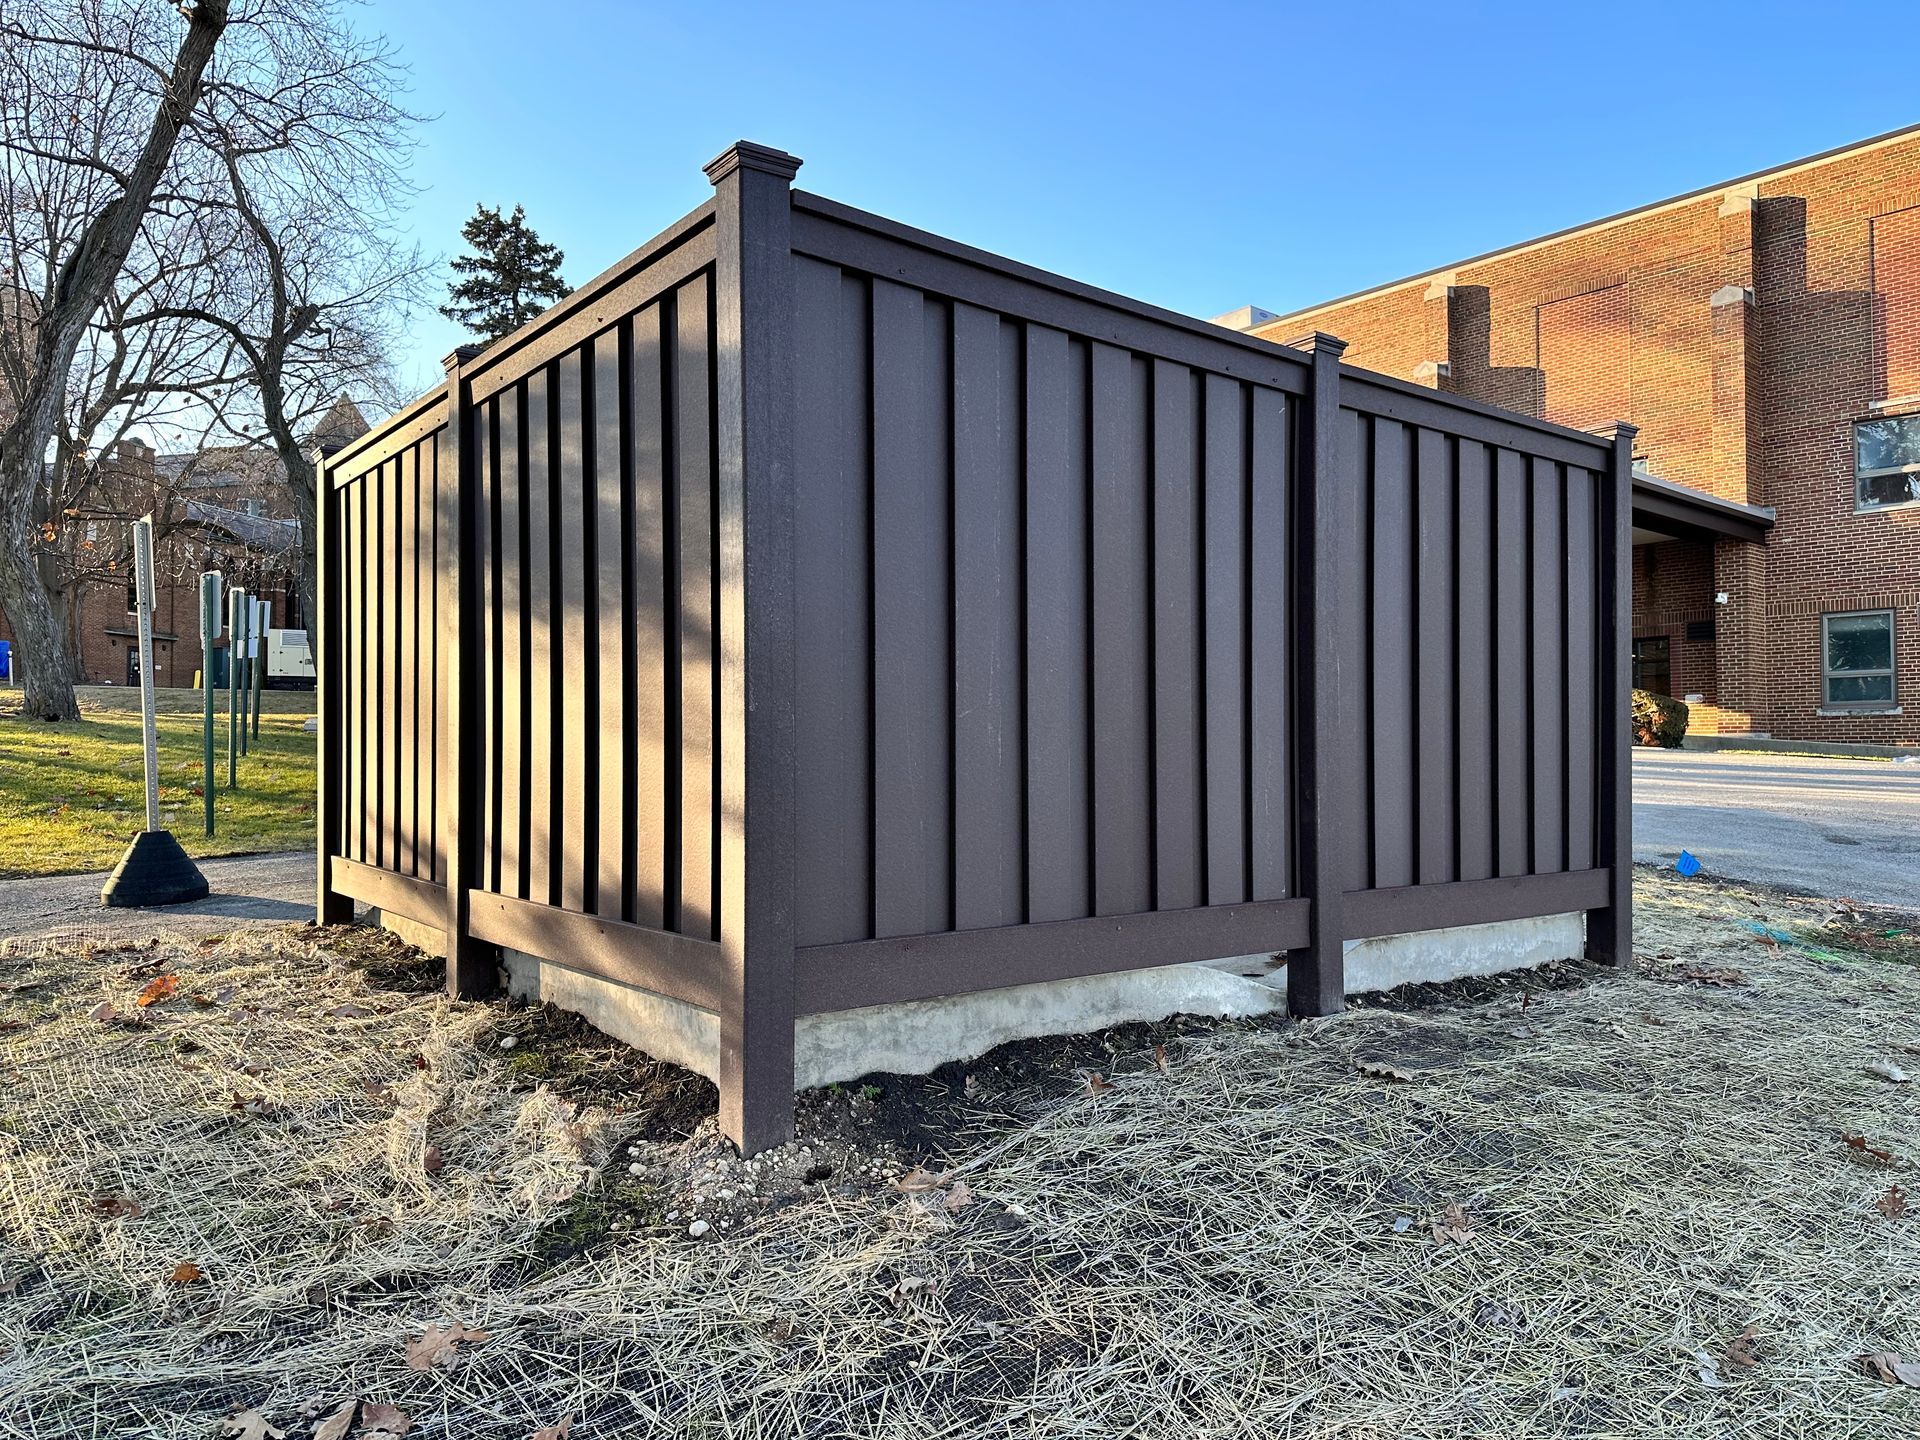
(1887, 1070)
(249, 1425)
(1739, 1351)
(336, 1425)
(1454, 1226)
(348, 1012)
(255, 1105)
(186, 1272)
(380, 1421)
(919, 1178)
(103, 1012)
(117, 1207)
(555, 1432)
(908, 1287)
(1893, 1204)
(960, 1196)
(1380, 1070)
(1893, 1369)
(161, 987)
(1097, 1083)
(432, 1162)
(437, 1346)
(1160, 1057)
(1865, 1154)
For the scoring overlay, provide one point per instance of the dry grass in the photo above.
(1240, 1244)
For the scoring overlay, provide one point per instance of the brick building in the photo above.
(228, 509)
(1764, 334)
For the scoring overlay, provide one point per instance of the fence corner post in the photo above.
(753, 346)
(1610, 928)
(1316, 976)
(330, 907)
(472, 965)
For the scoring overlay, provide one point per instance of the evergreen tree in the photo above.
(511, 277)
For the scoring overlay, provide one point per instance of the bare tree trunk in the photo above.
(85, 279)
(300, 474)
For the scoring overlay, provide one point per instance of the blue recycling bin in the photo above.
(6, 661)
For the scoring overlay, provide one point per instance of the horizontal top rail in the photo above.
(1596, 450)
(1455, 415)
(1078, 308)
(592, 307)
(409, 423)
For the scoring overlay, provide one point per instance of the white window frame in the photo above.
(1860, 506)
(1892, 672)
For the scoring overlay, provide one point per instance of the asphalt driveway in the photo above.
(1810, 824)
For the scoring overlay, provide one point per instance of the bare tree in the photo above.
(233, 281)
(72, 80)
(316, 281)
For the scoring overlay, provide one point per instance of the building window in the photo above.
(1858, 653)
(133, 599)
(1886, 462)
(1651, 668)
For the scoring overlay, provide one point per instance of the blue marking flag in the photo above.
(1688, 864)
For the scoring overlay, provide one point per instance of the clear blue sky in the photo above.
(1197, 155)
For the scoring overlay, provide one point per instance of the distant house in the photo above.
(227, 509)
(1764, 334)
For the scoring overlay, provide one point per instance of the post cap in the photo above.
(1617, 430)
(462, 354)
(745, 155)
(1320, 343)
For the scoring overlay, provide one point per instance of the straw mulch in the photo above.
(1613, 1205)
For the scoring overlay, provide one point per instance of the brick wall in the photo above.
(1743, 330)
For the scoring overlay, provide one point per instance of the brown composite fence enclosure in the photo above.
(813, 613)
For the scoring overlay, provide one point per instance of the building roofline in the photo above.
(1772, 171)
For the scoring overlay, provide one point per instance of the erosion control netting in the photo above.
(1611, 1205)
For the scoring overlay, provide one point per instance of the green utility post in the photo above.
(209, 631)
(235, 599)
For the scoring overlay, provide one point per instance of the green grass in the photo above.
(72, 796)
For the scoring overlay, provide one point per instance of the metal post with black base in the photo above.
(155, 870)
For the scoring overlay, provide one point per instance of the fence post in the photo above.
(1316, 976)
(1610, 929)
(753, 339)
(330, 907)
(471, 964)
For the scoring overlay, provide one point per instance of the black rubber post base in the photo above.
(154, 871)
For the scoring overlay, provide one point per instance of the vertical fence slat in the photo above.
(1393, 657)
(575, 664)
(652, 692)
(1225, 627)
(391, 760)
(1480, 725)
(542, 675)
(1270, 656)
(487, 549)
(1348, 553)
(693, 444)
(514, 595)
(1178, 691)
(989, 849)
(1512, 664)
(1058, 854)
(832, 492)
(404, 581)
(1434, 628)
(434, 552)
(1549, 677)
(912, 837)
(348, 627)
(1122, 589)
(1582, 698)
(330, 750)
(610, 777)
